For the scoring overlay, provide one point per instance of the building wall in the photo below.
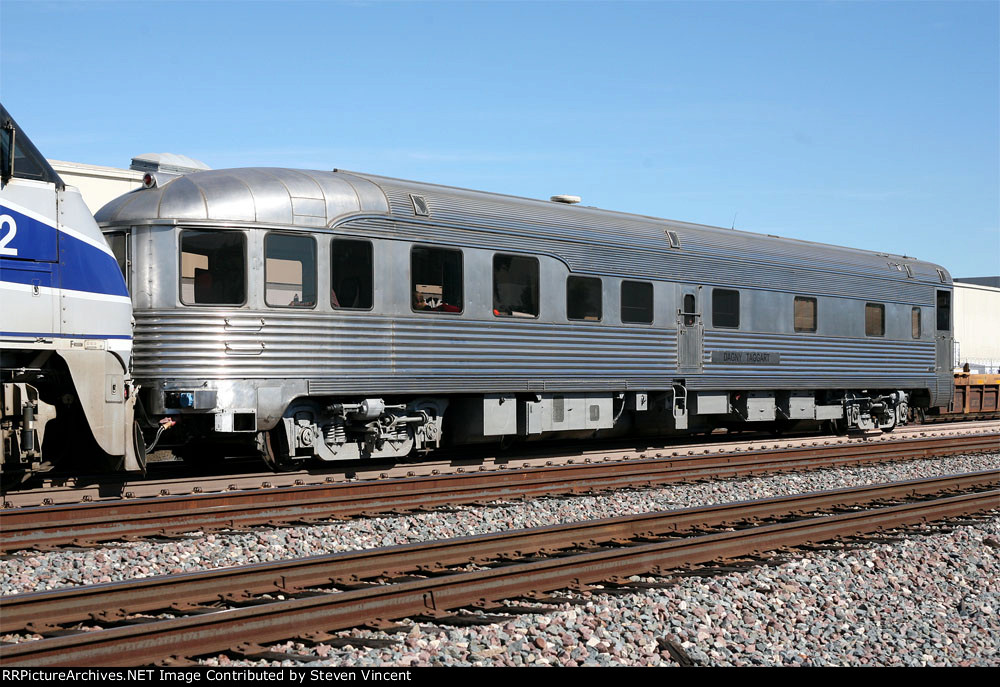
(977, 326)
(98, 185)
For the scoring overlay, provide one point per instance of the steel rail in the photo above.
(60, 489)
(156, 593)
(117, 600)
(219, 631)
(87, 523)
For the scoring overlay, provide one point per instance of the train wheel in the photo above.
(275, 449)
(838, 427)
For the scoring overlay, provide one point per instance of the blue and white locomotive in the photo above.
(66, 393)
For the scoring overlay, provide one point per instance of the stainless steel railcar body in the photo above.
(714, 326)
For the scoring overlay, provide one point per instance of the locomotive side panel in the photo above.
(65, 325)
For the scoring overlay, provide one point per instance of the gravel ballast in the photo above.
(36, 571)
(928, 600)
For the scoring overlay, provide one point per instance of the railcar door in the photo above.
(944, 349)
(690, 330)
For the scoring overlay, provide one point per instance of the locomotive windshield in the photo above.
(28, 163)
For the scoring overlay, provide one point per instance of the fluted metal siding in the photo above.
(372, 354)
(586, 224)
(818, 362)
(353, 353)
(590, 225)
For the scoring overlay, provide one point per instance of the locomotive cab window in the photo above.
(583, 299)
(874, 319)
(515, 286)
(725, 308)
(351, 274)
(804, 314)
(213, 267)
(637, 302)
(289, 271)
(943, 311)
(20, 158)
(915, 322)
(436, 279)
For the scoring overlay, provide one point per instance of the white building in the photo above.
(977, 326)
(100, 185)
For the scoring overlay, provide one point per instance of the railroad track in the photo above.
(89, 523)
(435, 579)
(68, 489)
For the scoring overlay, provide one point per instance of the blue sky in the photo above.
(875, 125)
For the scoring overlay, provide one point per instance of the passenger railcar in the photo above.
(65, 323)
(344, 315)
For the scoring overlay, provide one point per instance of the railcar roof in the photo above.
(308, 198)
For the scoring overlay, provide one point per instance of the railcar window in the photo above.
(690, 315)
(436, 278)
(290, 271)
(943, 311)
(119, 246)
(213, 268)
(637, 302)
(804, 315)
(515, 286)
(915, 322)
(874, 319)
(583, 299)
(351, 274)
(725, 308)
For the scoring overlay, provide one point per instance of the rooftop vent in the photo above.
(420, 205)
(569, 200)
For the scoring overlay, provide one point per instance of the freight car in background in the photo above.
(341, 315)
(976, 397)
(65, 324)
